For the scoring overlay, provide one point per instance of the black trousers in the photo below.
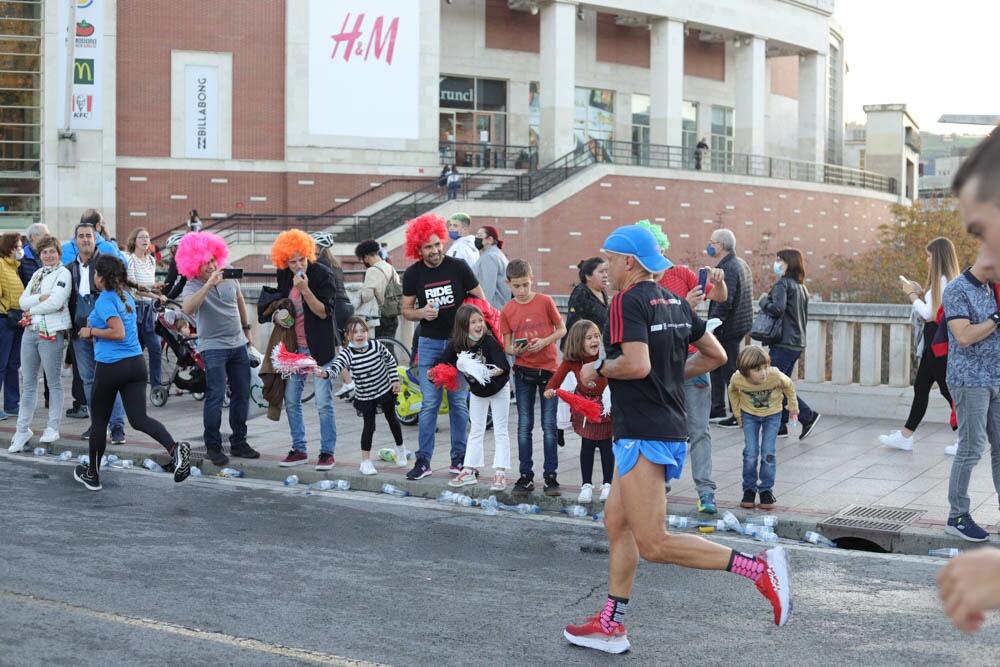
(931, 369)
(720, 376)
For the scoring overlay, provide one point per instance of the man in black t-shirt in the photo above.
(648, 333)
(433, 288)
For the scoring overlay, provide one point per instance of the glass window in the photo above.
(20, 112)
(491, 95)
(594, 120)
(640, 129)
(457, 93)
(473, 113)
(722, 138)
(689, 131)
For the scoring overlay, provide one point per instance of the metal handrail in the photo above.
(490, 156)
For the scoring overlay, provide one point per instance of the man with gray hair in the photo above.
(30, 262)
(736, 313)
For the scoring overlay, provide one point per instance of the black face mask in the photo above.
(479, 243)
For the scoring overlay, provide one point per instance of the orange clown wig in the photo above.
(290, 243)
(420, 230)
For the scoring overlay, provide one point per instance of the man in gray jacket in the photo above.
(491, 269)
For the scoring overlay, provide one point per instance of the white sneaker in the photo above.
(345, 391)
(400, 457)
(19, 440)
(586, 493)
(50, 435)
(368, 468)
(951, 450)
(605, 491)
(897, 440)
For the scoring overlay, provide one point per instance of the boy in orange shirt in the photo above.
(531, 326)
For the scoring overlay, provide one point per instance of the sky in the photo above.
(935, 57)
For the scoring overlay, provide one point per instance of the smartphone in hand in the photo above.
(519, 342)
(702, 278)
(231, 273)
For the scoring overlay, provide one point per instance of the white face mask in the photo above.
(19, 254)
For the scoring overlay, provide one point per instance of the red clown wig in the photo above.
(197, 249)
(420, 230)
(292, 242)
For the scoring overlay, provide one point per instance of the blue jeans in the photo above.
(83, 354)
(784, 358)
(978, 412)
(233, 363)
(10, 363)
(458, 406)
(324, 406)
(759, 437)
(529, 382)
(145, 319)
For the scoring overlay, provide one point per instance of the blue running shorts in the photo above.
(670, 454)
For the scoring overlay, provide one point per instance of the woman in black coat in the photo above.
(589, 301)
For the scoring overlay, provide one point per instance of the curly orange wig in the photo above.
(292, 242)
(419, 230)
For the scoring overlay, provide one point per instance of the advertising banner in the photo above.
(87, 40)
(364, 69)
(201, 111)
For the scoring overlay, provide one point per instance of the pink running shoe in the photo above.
(776, 583)
(592, 635)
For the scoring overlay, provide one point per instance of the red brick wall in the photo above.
(817, 223)
(621, 45)
(253, 31)
(283, 191)
(704, 59)
(514, 31)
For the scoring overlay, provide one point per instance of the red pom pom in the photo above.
(444, 375)
(287, 363)
(590, 410)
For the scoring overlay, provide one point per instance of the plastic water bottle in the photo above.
(150, 464)
(599, 516)
(576, 510)
(394, 491)
(128, 464)
(195, 470)
(330, 485)
(681, 521)
(732, 523)
(84, 460)
(291, 480)
(386, 454)
(711, 526)
(65, 456)
(523, 508)
(490, 506)
(230, 472)
(819, 540)
(766, 535)
(456, 499)
(41, 451)
(949, 552)
(110, 461)
(104, 462)
(768, 520)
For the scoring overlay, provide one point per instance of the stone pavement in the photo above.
(840, 464)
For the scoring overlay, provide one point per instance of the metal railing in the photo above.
(488, 156)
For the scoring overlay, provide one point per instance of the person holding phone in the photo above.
(220, 313)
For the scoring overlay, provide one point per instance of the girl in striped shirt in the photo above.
(376, 384)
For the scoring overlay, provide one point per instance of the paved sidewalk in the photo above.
(839, 464)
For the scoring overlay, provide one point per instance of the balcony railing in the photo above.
(488, 156)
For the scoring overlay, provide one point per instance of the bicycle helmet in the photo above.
(323, 240)
(174, 239)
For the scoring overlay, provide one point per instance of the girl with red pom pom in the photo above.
(583, 345)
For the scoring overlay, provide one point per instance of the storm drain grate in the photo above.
(876, 524)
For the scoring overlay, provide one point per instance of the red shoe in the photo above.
(592, 635)
(294, 458)
(325, 462)
(776, 583)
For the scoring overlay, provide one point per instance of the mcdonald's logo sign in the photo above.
(83, 71)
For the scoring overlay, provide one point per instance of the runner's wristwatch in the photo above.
(996, 319)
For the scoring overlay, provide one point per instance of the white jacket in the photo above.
(51, 315)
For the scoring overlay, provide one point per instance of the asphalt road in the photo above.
(219, 572)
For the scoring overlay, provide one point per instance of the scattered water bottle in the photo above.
(291, 480)
(110, 461)
(41, 451)
(950, 552)
(150, 464)
(195, 470)
(576, 510)
(682, 521)
(490, 506)
(394, 491)
(732, 523)
(128, 464)
(599, 516)
(65, 456)
(230, 472)
(712, 526)
(523, 508)
(84, 460)
(104, 462)
(329, 485)
(456, 499)
(820, 540)
(766, 535)
(768, 520)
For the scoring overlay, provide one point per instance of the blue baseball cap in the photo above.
(640, 243)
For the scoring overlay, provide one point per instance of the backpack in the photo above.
(392, 298)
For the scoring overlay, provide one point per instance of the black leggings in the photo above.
(587, 459)
(369, 411)
(127, 377)
(930, 370)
